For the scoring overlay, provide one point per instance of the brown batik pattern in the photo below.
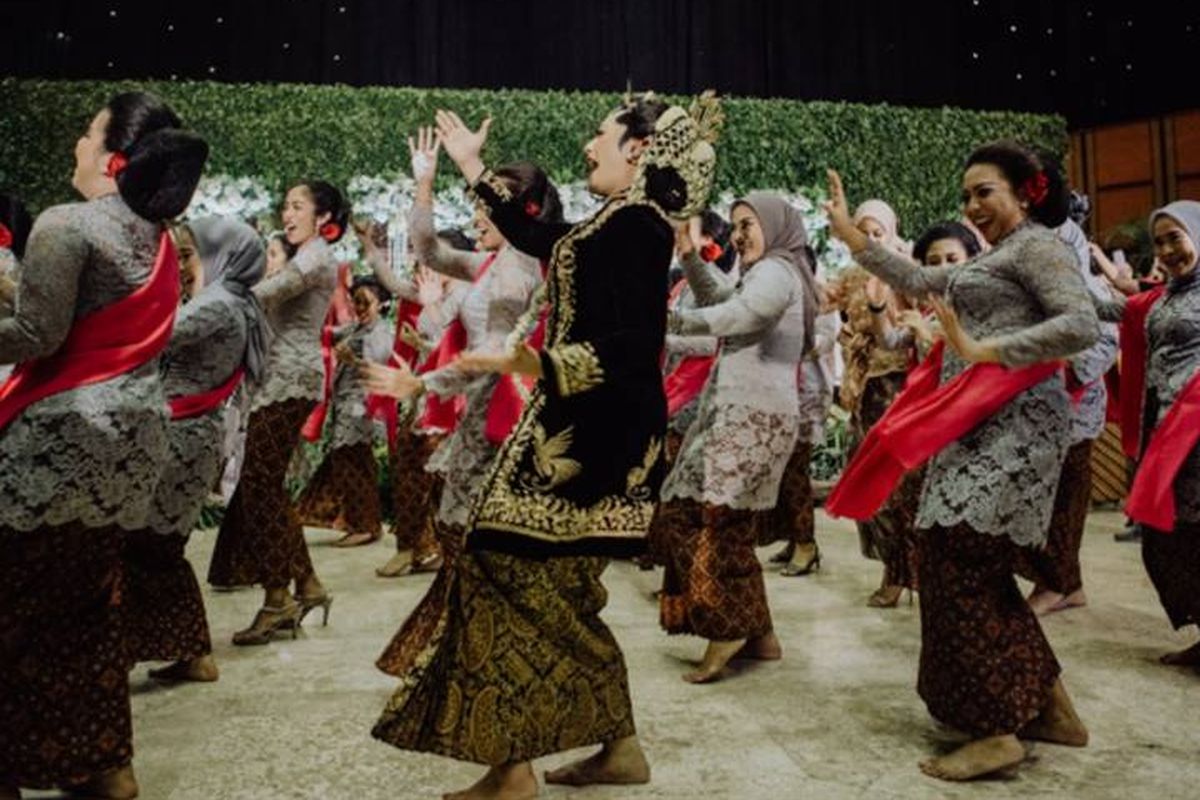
(162, 607)
(1173, 563)
(890, 535)
(713, 585)
(345, 487)
(986, 667)
(516, 665)
(64, 672)
(261, 540)
(1056, 566)
(793, 519)
(430, 612)
(415, 493)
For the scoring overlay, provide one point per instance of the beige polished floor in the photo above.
(837, 718)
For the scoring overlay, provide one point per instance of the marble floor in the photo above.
(837, 718)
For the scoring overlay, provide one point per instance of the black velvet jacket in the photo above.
(580, 473)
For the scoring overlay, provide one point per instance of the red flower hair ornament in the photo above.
(1037, 188)
(117, 163)
(711, 252)
(6, 237)
(330, 231)
(532, 209)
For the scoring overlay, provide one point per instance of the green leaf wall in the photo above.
(909, 156)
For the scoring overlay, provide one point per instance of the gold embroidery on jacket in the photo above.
(635, 482)
(494, 183)
(550, 459)
(576, 368)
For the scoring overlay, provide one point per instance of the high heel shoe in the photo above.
(322, 601)
(794, 570)
(267, 621)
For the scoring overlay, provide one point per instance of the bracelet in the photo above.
(874, 309)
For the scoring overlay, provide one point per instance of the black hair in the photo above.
(664, 185)
(715, 227)
(456, 238)
(639, 115)
(372, 284)
(15, 216)
(946, 230)
(1020, 164)
(328, 200)
(164, 161)
(532, 189)
(289, 249)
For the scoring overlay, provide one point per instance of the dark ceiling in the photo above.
(1091, 61)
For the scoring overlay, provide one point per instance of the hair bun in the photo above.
(163, 170)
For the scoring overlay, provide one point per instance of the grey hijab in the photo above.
(234, 260)
(786, 239)
(1186, 213)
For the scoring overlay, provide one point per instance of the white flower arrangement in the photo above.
(388, 199)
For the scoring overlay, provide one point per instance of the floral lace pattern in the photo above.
(296, 301)
(1028, 297)
(93, 454)
(733, 456)
(351, 423)
(1173, 336)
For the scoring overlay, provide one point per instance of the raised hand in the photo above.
(462, 144)
(916, 322)
(398, 382)
(970, 349)
(429, 287)
(424, 153)
(841, 224)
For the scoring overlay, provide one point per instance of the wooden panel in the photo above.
(1115, 206)
(1187, 189)
(1124, 154)
(1187, 143)
(1075, 167)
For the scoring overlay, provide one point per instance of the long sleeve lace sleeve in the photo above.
(708, 283)
(436, 255)
(1047, 270)
(903, 274)
(44, 307)
(766, 292)
(387, 277)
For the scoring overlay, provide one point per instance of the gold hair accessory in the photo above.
(682, 144)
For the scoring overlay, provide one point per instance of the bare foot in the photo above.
(197, 670)
(119, 784)
(977, 758)
(716, 657)
(620, 763)
(762, 648)
(1058, 722)
(357, 539)
(1044, 601)
(507, 782)
(1184, 658)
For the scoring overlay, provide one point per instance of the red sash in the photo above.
(311, 429)
(112, 341)
(197, 405)
(685, 382)
(1152, 498)
(921, 422)
(1133, 367)
(407, 313)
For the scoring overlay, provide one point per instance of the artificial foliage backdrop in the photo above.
(278, 132)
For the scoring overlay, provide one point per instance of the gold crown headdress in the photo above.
(681, 161)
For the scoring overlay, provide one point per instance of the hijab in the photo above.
(234, 260)
(885, 215)
(785, 239)
(1187, 214)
